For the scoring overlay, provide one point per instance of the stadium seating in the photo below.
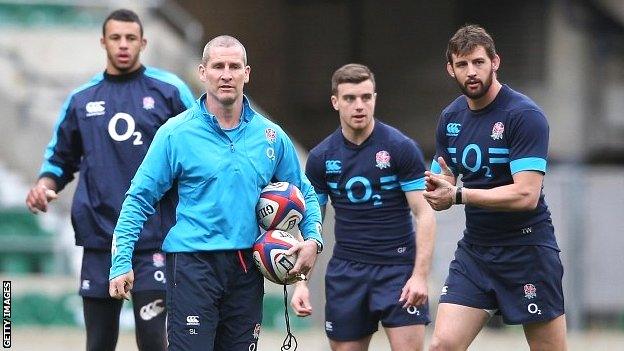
(25, 247)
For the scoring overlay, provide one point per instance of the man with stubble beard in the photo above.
(508, 260)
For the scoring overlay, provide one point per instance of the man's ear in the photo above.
(334, 102)
(496, 61)
(201, 69)
(449, 69)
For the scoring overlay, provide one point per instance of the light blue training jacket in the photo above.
(219, 176)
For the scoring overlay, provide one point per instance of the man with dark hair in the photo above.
(103, 132)
(218, 155)
(123, 15)
(508, 260)
(374, 176)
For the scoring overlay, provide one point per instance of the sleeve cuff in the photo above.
(528, 164)
(412, 185)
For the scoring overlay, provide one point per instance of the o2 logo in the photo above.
(472, 148)
(359, 182)
(534, 309)
(472, 158)
(159, 276)
(130, 129)
(413, 310)
(368, 191)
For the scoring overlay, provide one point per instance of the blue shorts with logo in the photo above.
(148, 267)
(359, 296)
(522, 283)
(214, 301)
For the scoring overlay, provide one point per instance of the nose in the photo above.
(226, 75)
(472, 71)
(359, 105)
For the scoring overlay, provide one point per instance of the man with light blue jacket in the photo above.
(218, 155)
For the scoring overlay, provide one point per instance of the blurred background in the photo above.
(567, 55)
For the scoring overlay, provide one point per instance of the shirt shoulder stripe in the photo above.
(47, 166)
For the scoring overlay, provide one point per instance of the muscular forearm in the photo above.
(425, 238)
(512, 197)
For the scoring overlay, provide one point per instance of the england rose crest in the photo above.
(256, 331)
(270, 134)
(497, 131)
(530, 291)
(148, 102)
(383, 159)
(158, 260)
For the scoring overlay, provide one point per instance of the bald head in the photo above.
(224, 41)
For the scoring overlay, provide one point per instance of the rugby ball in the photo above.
(269, 253)
(281, 206)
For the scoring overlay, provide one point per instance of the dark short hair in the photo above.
(467, 38)
(123, 15)
(351, 73)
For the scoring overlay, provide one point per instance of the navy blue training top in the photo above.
(486, 147)
(104, 130)
(366, 184)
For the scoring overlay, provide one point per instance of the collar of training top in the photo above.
(124, 77)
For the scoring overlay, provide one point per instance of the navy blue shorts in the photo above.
(214, 301)
(522, 283)
(148, 267)
(359, 296)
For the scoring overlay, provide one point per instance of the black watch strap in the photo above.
(458, 196)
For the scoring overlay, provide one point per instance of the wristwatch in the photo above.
(458, 196)
(319, 245)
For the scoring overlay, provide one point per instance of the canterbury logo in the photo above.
(95, 108)
(452, 129)
(152, 310)
(192, 320)
(333, 166)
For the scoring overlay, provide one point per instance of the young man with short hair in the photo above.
(103, 132)
(374, 176)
